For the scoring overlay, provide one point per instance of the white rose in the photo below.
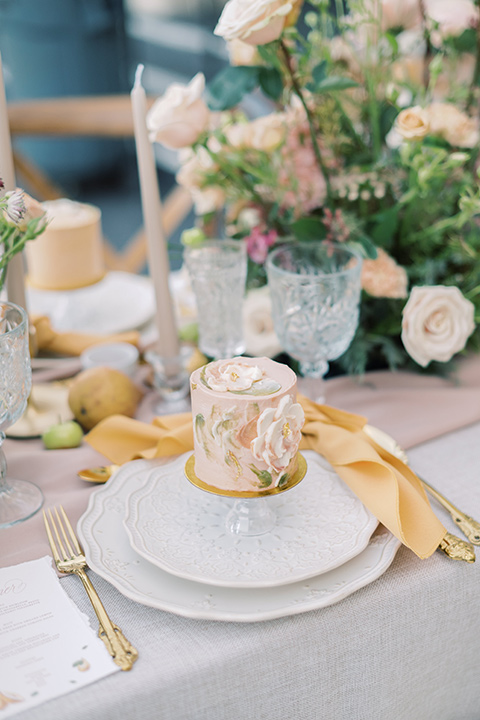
(279, 432)
(179, 117)
(258, 331)
(241, 53)
(225, 375)
(437, 321)
(256, 22)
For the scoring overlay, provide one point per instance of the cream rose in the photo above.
(279, 432)
(437, 321)
(412, 123)
(257, 22)
(179, 117)
(454, 126)
(241, 53)
(225, 375)
(449, 18)
(258, 331)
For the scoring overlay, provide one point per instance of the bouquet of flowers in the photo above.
(368, 135)
(21, 219)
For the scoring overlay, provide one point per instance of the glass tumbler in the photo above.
(218, 273)
(19, 499)
(315, 289)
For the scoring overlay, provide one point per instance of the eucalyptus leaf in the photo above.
(231, 84)
(271, 82)
(335, 82)
(309, 228)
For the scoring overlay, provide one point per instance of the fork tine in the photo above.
(64, 534)
(51, 541)
(71, 532)
(60, 546)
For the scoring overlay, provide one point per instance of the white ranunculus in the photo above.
(225, 375)
(256, 22)
(279, 431)
(437, 322)
(258, 331)
(178, 118)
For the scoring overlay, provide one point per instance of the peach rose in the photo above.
(257, 22)
(412, 123)
(437, 321)
(382, 277)
(178, 118)
(405, 14)
(454, 126)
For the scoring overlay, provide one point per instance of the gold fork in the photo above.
(69, 558)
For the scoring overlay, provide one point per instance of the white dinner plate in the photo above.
(320, 524)
(109, 554)
(120, 302)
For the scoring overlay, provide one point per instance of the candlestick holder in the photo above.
(251, 513)
(171, 375)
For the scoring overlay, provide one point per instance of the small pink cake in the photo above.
(246, 424)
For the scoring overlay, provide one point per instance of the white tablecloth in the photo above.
(406, 647)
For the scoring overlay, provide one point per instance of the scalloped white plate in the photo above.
(109, 554)
(321, 524)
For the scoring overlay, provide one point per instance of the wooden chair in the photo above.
(97, 116)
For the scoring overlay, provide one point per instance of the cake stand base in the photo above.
(251, 513)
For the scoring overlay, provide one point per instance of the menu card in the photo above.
(47, 647)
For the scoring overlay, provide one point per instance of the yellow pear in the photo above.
(99, 392)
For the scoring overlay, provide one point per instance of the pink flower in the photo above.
(258, 243)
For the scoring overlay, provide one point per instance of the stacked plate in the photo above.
(163, 542)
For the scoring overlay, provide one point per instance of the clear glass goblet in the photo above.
(315, 289)
(218, 272)
(19, 499)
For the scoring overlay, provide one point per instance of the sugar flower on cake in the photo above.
(437, 322)
(279, 431)
(231, 375)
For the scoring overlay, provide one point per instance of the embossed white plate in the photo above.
(320, 525)
(120, 302)
(110, 555)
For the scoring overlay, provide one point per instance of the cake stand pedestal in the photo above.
(252, 513)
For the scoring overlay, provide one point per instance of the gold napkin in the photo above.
(72, 343)
(385, 485)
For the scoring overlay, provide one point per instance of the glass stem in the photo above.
(3, 466)
(312, 383)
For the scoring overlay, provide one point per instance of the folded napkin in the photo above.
(385, 485)
(72, 343)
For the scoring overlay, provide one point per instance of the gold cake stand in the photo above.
(251, 513)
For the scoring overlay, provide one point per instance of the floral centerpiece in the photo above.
(21, 219)
(368, 135)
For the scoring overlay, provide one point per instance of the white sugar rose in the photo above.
(225, 375)
(179, 117)
(412, 123)
(257, 22)
(437, 321)
(279, 432)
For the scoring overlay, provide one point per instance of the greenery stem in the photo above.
(476, 73)
(311, 124)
